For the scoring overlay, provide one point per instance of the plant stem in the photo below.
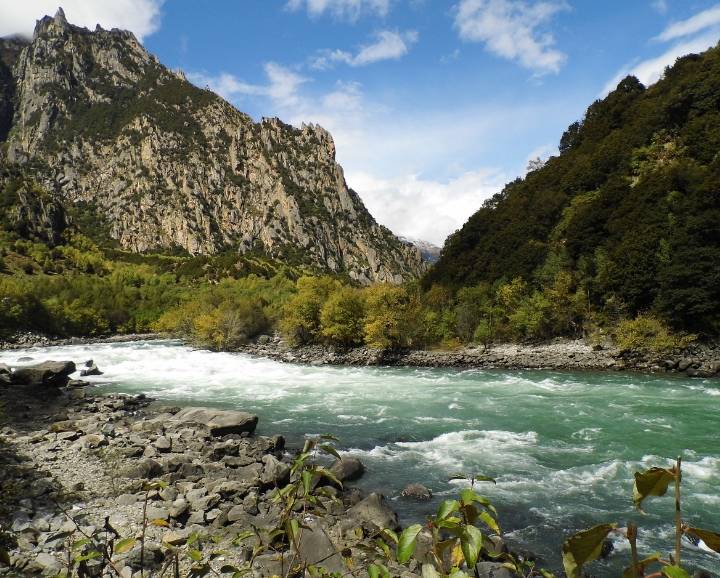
(678, 513)
(632, 538)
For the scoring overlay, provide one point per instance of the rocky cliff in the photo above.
(167, 165)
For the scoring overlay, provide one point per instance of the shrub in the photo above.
(649, 334)
(342, 317)
(231, 324)
(301, 317)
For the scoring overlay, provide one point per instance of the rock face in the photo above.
(163, 164)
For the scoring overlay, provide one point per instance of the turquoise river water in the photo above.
(562, 446)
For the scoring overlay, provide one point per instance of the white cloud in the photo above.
(415, 177)
(142, 17)
(342, 9)
(693, 35)
(512, 29)
(709, 18)
(388, 45)
(426, 209)
(282, 86)
(660, 6)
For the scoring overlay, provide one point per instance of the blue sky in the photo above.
(434, 104)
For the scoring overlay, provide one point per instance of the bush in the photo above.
(388, 323)
(342, 317)
(301, 317)
(230, 325)
(648, 334)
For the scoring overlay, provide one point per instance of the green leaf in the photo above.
(79, 544)
(382, 545)
(195, 555)
(306, 481)
(325, 473)
(584, 547)
(471, 543)
(641, 566)
(390, 534)
(124, 545)
(407, 543)
(92, 555)
(653, 482)
(457, 573)
(674, 572)
(712, 539)
(490, 522)
(446, 508)
(242, 536)
(378, 571)
(330, 450)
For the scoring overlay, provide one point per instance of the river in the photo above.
(562, 446)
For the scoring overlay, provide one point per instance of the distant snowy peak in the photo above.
(430, 253)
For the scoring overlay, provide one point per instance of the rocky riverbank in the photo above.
(560, 354)
(700, 360)
(27, 340)
(117, 485)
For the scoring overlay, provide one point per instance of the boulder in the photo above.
(416, 492)
(348, 469)
(374, 511)
(218, 422)
(493, 570)
(48, 373)
(91, 369)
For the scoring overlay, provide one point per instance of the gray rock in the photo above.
(236, 513)
(157, 513)
(374, 511)
(162, 444)
(92, 369)
(492, 570)
(178, 508)
(348, 469)
(48, 373)
(168, 494)
(151, 557)
(267, 565)
(416, 492)
(316, 548)
(143, 469)
(46, 563)
(275, 473)
(218, 422)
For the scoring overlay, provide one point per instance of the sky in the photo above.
(433, 104)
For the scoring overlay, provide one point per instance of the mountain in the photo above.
(429, 252)
(112, 135)
(630, 208)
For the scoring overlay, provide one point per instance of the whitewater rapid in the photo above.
(562, 446)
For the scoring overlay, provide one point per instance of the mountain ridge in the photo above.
(167, 165)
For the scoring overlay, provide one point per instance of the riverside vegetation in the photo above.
(615, 238)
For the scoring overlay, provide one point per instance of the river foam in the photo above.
(563, 447)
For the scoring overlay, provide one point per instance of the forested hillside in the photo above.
(628, 215)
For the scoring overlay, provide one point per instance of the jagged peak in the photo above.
(59, 18)
(49, 23)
